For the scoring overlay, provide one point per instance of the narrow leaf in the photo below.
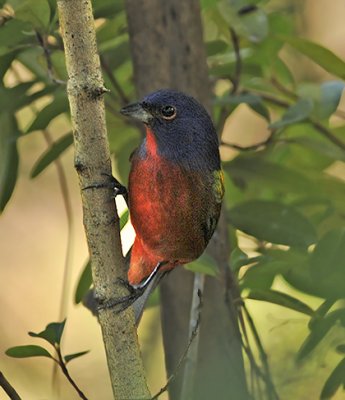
(274, 222)
(71, 357)
(335, 380)
(27, 351)
(296, 113)
(328, 257)
(84, 283)
(330, 96)
(204, 264)
(319, 54)
(124, 219)
(52, 332)
(282, 299)
(50, 155)
(36, 12)
(9, 158)
(319, 330)
(58, 106)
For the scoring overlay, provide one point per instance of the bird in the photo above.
(175, 187)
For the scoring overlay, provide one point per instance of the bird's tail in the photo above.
(140, 303)
(90, 302)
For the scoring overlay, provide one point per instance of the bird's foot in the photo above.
(135, 291)
(113, 183)
(124, 302)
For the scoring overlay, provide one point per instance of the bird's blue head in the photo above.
(183, 131)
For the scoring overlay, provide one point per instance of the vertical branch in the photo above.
(92, 160)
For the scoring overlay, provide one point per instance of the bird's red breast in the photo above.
(170, 210)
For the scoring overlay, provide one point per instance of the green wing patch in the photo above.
(218, 185)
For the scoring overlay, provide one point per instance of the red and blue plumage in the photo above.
(175, 183)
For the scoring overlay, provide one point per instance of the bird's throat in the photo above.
(151, 144)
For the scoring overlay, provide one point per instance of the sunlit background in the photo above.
(33, 240)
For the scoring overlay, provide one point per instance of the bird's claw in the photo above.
(113, 184)
(125, 301)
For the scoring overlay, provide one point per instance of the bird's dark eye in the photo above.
(168, 112)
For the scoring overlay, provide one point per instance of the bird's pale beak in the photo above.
(137, 111)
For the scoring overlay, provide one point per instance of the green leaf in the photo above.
(84, 284)
(32, 58)
(252, 169)
(215, 47)
(52, 333)
(319, 330)
(319, 54)
(335, 380)
(11, 98)
(58, 106)
(12, 34)
(296, 113)
(330, 96)
(107, 8)
(50, 155)
(9, 158)
(320, 146)
(261, 275)
(204, 264)
(5, 61)
(255, 25)
(238, 259)
(255, 102)
(71, 357)
(124, 219)
(258, 277)
(282, 299)
(36, 12)
(27, 351)
(274, 222)
(328, 258)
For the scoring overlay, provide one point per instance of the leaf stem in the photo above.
(64, 370)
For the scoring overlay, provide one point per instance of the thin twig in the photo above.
(327, 133)
(284, 90)
(192, 337)
(236, 78)
(47, 55)
(316, 124)
(251, 147)
(8, 388)
(64, 370)
(122, 96)
(271, 391)
(192, 358)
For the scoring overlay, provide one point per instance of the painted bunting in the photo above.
(175, 186)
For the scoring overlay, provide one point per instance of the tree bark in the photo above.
(92, 159)
(168, 51)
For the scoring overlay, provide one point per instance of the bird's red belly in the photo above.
(166, 210)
